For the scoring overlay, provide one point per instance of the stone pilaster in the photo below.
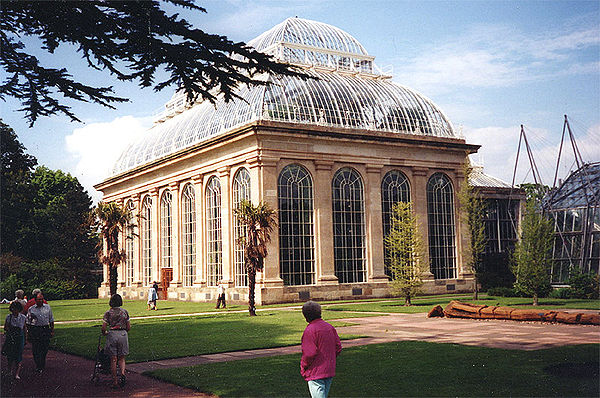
(324, 224)
(418, 195)
(374, 224)
(226, 227)
(271, 275)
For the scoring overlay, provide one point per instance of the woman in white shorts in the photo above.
(115, 325)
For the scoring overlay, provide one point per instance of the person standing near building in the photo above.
(116, 325)
(320, 347)
(40, 328)
(221, 295)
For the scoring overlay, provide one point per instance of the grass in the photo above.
(93, 309)
(408, 369)
(153, 339)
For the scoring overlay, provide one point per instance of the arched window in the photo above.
(394, 189)
(348, 226)
(188, 230)
(241, 191)
(166, 230)
(214, 261)
(296, 231)
(129, 247)
(146, 235)
(440, 214)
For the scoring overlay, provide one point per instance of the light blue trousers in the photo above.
(320, 388)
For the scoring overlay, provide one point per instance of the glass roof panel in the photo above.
(343, 100)
(580, 189)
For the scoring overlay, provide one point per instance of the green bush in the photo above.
(9, 285)
(583, 286)
(560, 293)
(503, 291)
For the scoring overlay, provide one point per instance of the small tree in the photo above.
(406, 256)
(533, 253)
(259, 221)
(111, 219)
(473, 211)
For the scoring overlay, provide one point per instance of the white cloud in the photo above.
(97, 146)
(499, 56)
(499, 150)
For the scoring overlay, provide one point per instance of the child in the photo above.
(14, 329)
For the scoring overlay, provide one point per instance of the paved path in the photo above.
(403, 327)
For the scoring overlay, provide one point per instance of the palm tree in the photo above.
(110, 220)
(259, 221)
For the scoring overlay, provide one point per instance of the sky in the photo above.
(491, 66)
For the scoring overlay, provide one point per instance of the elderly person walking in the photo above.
(40, 328)
(20, 297)
(320, 347)
(115, 324)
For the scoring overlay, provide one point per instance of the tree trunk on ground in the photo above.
(407, 302)
(251, 286)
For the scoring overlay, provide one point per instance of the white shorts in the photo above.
(117, 343)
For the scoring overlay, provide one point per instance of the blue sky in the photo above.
(490, 66)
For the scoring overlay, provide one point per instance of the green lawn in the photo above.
(409, 369)
(152, 339)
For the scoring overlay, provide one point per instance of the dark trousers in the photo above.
(220, 300)
(39, 336)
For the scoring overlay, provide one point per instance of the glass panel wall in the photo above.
(241, 191)
(296, 231)
(166, 230)
(146, 237)
(440, 213)
(188, 229)
(394, 189)
(348, 226)
(214, 243)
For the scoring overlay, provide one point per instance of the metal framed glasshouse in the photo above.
(575, 208)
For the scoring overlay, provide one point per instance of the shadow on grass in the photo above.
(570, 369)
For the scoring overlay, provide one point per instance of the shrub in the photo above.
(583, 286)
(9, 285)
(560, 293)
(502, 291)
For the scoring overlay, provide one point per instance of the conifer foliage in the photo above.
(132, 40)
(406, 255)
(533, 253)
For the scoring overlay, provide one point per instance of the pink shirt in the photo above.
(320, 346)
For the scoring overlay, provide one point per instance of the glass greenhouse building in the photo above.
(575, 208)
(330, 154)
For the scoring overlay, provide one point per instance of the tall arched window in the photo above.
(348, 226)
(188, 230)
(146, 235)
(214, 261)
(440, 214)
(166, 230)
(394, 189)
(241, 191)
(296, 231)
(129, 247)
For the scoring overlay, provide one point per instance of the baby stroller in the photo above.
(102, 364)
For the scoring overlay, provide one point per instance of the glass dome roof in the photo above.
(342, 94)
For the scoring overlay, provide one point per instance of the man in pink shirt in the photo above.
(320, 347)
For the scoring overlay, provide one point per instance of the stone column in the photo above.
(137, 255)
(271, 276)
(418, 195)
(155, 235)
(175, 241)
(324, 263)
(227, 255)
(121, 268)
(200, 277)
(374, 225)
(461, 229)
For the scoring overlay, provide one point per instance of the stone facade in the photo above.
(264, 149)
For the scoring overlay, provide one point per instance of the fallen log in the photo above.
(458, 309)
